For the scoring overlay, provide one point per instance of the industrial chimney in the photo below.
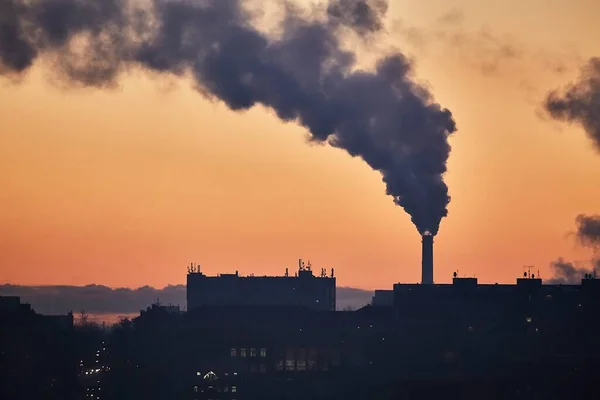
(427, 259)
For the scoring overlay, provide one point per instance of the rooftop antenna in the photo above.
(287, 273)
(308, 265)
(527, 274)
(332, 272)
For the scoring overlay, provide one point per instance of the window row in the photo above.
(244, 352)
(225, 389)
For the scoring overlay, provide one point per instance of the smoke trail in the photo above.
(580, 102)
(588, 230)
(381, 116)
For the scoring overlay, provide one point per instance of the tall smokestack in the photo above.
(427, 259)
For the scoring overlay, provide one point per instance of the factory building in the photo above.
(487, 338)
(303, 289)
(479, 330)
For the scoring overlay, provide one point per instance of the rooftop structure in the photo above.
(303, 289)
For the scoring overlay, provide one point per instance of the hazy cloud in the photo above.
(97, 299)
(453, 16)
(488, 51)
(352, 297)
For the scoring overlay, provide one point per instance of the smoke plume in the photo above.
(588, 230)
(566, 273)
(364, 16)
(580, 101)
(588, 235)
(303, 74)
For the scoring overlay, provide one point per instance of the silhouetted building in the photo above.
(37, 359)
(303, 289)
(383, 298)
(466, 329)
(460, 340)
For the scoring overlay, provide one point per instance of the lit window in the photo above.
(290, 365)
(263, 352)
(233, 389)
(301, 365)
(198, 373)
(252, 352)
(233, 352)
(196, 389)
(529, 319)
(243, 352)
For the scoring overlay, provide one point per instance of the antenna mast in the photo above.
(527, 273)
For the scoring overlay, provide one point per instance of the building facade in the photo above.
(304, 289)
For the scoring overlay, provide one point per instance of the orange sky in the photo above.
(127, 187)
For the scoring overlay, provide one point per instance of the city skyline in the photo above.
(125, 187)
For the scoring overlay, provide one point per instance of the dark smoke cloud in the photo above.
(579, 102)
(588, 230)
(97, 299)
(566, 273)
(364, 16)
(588, 235)
(304, 75)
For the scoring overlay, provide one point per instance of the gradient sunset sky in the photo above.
(127, 187)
